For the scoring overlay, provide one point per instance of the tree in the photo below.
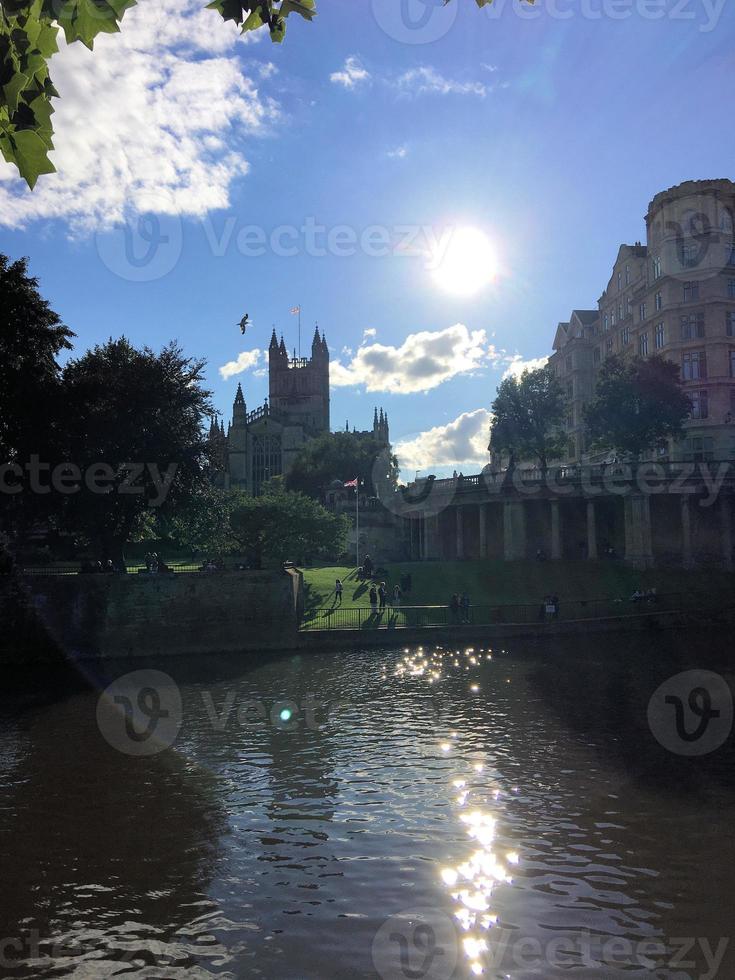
(28, 32)
(638, 405)
(528, 413)
(134, 424)
(202, 522)
(32, 337)
(281, 525)
(343, 456)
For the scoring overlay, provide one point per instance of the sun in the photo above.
(464, 261)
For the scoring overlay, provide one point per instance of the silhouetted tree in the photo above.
(528, 413)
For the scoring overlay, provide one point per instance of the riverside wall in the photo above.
(78, 617)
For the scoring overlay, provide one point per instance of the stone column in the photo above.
(460, 532)
(686, 531)
(591, 531)
(555, 530)
(514, 530)
(726, 530)
(482, 511)
(637, 512)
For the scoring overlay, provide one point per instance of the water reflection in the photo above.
(517, 791)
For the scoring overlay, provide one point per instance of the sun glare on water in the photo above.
(464, 262)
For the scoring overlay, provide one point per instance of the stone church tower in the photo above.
(299, 387)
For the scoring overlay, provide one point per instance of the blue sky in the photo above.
(548, 132)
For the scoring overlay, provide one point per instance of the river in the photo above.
(508, 811)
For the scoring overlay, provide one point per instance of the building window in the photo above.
(570, 391)
(731, 253)
(692, 326)
(690, 255)
(700, 404)
(625, 336)
(657, 268)
(627, 275)
(660, 336)
(609, 345)
(694, 365)
(606, 322)
(629, 306)
(568, 363)
(642, 312)
(702, 448)
(612, 317)
(731, 288)
(596, 355)
(643, 344)
(620, 281)
(620, 311)
(730, 323)
(570, 419)
(732, 363)
(691, 291)
(659, 302)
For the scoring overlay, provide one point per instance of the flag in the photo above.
(295, 310)
(352, 483)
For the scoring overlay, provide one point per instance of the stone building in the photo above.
(673, 296)
(263, 443)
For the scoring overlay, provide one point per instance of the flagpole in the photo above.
(299, 331)
(357, 522)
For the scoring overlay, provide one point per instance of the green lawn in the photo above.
(498, 582)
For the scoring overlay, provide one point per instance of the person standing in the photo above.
(338, 592)
(397, 595)
(382, 595)
(373, 599)
(454, 608)
(464, 604)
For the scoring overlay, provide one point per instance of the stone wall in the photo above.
(85, 616)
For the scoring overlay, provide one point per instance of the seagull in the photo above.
(244, 323)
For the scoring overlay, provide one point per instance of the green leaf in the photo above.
(31, 156)
(253, 21)
(12, 90)
(306, 8)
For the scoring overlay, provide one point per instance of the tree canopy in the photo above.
(136, 419)
(282, 525)
(639, 403)
(28, 39)
(528, 413)
(343, 456)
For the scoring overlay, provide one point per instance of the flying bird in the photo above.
(244, 323)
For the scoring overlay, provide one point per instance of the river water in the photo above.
(504, 811)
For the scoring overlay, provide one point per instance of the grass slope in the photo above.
(499, 582)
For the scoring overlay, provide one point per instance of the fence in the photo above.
(363, 618)
(131, 569)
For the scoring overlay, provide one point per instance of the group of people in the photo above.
(97, 567)
(382, 596)
(155, 565)
(459, 607)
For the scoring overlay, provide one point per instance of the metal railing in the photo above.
(416, 617)
(133, 568)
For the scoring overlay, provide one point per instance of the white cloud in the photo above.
(460, 444)
(424, 361)
(351, 75)
(428, 81)
(368, 334)
(518, 365)
(247, 359)
(398, 153)
(151, 121)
